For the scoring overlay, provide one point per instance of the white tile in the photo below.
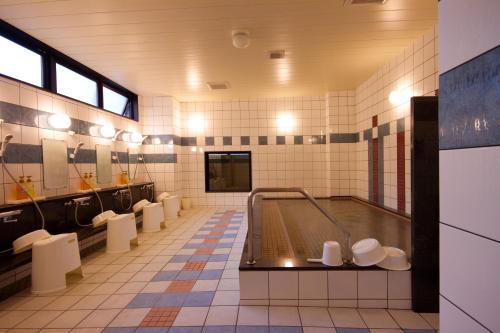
(409, 320)
(377, 318)
(99, 318)
(254, 285)
(432, 319)
(283, 285)
(474, 289)
(129, 317)
(253, 315)
(315, 316)
(229, 284)
(12, 318)
(342, 285)
(318, 330)
(372, 285)
(346, 318)
(39, 319)
(206, 285)
(469, 185)
(191, 316)
(313, 285)
(454, 320)
(226, 297)
(284, 316)
(399, 285)
(69, 319)
(222, 315)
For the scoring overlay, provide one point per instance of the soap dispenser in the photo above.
(21, 189)
(84, 182)
(30, 187)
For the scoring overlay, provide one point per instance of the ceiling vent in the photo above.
(218, 85)
(277, 54)
(364, 2)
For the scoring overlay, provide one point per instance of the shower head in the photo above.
(77, 148)
(5, 142)
(116, 135)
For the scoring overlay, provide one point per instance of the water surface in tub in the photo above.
(295, 229)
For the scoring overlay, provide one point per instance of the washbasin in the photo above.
(24, 243)
(102, 218)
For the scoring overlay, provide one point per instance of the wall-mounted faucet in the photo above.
(8, 217)
(83, 201)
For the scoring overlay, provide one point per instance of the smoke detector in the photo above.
(364, 2)
(277, 54)
(218, 85)
(241, 39)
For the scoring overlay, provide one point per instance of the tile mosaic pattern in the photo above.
(175, 282)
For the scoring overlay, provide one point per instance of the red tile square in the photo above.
(181, 286)
(160, 317)
(194, 266)
(203, 251)
(211, 240)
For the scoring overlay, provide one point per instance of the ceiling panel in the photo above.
(174, 47)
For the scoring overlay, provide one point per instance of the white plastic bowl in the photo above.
(24, 243)
(162, 196)
(396, 259)
(139, 205)
(368, 252)
(102, 218)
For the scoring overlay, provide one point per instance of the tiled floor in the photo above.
(184, 279)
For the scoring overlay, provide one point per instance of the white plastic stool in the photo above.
(162, 196)
(177, 202)
(152, 217)
(170, 208)
(52, 259)
(186, 203)
(121, 233)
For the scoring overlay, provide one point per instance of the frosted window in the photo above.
(113, 101)
(74, 85)
(20, 63)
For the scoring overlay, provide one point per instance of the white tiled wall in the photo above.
(17, 93)
(414, 72)
(469, 188)
(160, 115)
(272, 165)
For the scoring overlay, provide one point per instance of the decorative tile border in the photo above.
(468, 103)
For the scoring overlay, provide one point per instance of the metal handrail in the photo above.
(346, 256)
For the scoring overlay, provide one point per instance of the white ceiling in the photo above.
(173, 47)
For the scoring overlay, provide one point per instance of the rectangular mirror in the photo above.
(103, 164)
(133, 163)
(55, 164)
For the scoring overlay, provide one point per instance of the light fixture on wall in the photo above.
(196, 123)
(285, 122)
(59, 121)
(400, 96)
(136, 137)
(107, 131)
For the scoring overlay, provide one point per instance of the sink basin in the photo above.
(140, 205)
(25, 242)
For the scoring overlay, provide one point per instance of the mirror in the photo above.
(103, 164)
(55, 164)
(133, 163)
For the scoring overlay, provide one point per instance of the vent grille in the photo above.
(218, 85)
(364, 2)
(277, 54)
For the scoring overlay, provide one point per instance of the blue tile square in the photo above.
(186, 329)
(218, 257)
(179, 258)
(144, 300)
(198, 237)
(210, 274)
(174, 299)
(199, 257)
(165, 276)
(285, 329)
(252, 329)
(218, 329)
(199, 298)
(187, 275)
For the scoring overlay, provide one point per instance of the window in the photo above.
(228, 171)
(20, 63)
(114, 101)
(74, 85)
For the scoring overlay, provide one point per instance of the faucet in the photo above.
(7, 217)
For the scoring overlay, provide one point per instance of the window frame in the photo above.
(51, 56)
(207, 178)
